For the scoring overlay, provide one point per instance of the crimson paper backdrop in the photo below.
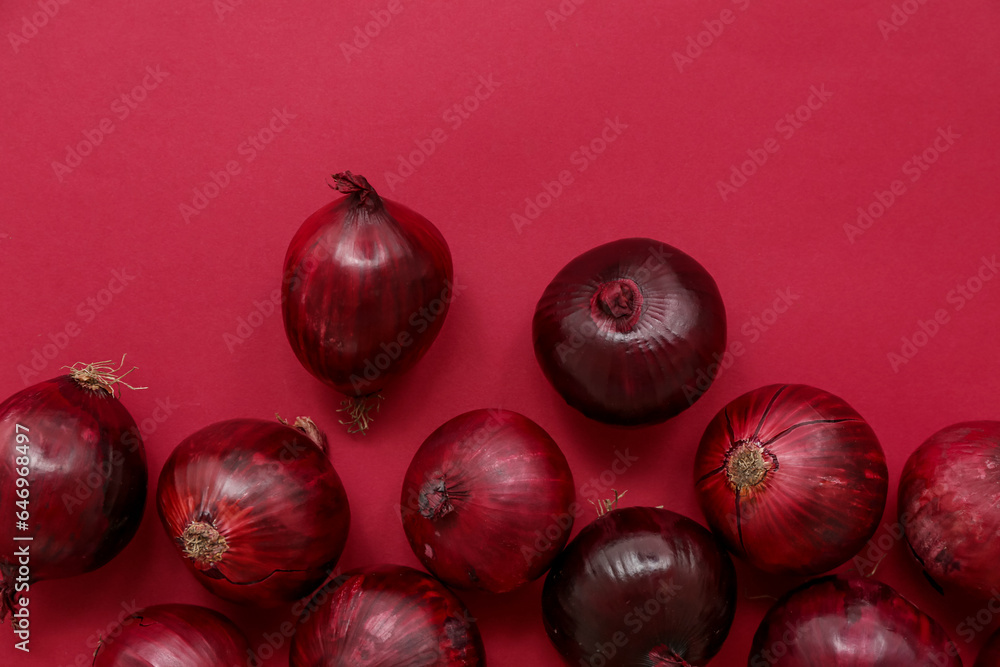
(833, 165)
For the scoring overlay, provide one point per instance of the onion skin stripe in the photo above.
(739, 519)
(710, 474)
(767, 410)
(813, 421)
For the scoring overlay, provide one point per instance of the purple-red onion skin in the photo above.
(650, 356)
(275, 498)
(174, 635)
(949, 506)
(366, 290)
(640, 586)
(989, 654)
(824, 494)
(488, 501)
(87, 480)
(849, 622)
(387, 616)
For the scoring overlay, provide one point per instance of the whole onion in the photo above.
(949, 505)
(255, 508)
(792, 478)
(387, 616)
(367, 286)
(640, 586)
(849, 622)
(174, 635)
(989, 654)
(627, 332)
(72, 479)
(488, 501)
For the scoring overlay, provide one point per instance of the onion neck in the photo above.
(747, 464)
(435, 499)
(618, 302)
(203, 544)
(100, 376)
(308, 427)
(355, 184)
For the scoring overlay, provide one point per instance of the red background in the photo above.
(190, 281)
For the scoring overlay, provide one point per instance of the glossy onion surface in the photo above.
(949, 506)
(627, 332)
(792, 478)
(388, 616)
(640, 586)
(256, 510)
(174, 635)
(367, 286)
(486, 501)
(72, 478)
(849, 622)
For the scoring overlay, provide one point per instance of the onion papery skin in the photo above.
(849, 622)
(368, 284)
(265, 504)
(949, 506)
(989, 654)
(488, 501)
(640, 586)
(626, 332)
(387, 616)
(791, 478)
(87, 480)
(174, 635)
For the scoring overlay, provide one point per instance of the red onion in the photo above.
(626, 332)
(849, 622)
(255, 508)
(174, 635)
(72, 480)
(367, 287)
(640, 586)
(388, 616)
(949, 505)
(792, 479)
(989, 654)
(488, 501)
